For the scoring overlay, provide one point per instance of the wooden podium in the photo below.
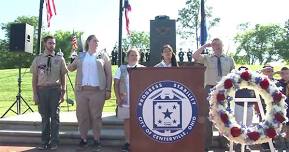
(168, 109)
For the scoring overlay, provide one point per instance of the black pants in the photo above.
(48, 108)
(209, 129)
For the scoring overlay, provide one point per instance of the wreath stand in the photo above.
(246, 101)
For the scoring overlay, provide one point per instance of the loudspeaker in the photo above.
(21, 38)
(162, 31)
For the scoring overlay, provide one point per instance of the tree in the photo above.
(259, 43)
(31, 20)
(3, 45)
(189, 19)
(136, 40)
(283, 45)
(63, 41)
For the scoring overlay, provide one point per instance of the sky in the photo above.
(100, 17)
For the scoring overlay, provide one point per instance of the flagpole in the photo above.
(120, 33)
(38, 51)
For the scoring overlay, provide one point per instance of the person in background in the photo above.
(121, 89)
(93, 87)
(48, 85)
(268, 70)
(168, 57)
(283, 83)
(181, 55)
(189, 55)
(217, 65)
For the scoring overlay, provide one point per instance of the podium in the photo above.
(167, 109)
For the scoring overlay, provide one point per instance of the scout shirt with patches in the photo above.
(211, 73)
(48, 74)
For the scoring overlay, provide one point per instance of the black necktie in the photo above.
(219, 66)
(48, 65)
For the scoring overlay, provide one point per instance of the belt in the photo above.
(49, 86)
(89, 88)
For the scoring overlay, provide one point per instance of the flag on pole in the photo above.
(203, 34)
(127, 8)
(74, 42)
(51, 10)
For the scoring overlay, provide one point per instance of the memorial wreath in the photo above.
(222, 96)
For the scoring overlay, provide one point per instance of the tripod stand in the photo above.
(18, 99)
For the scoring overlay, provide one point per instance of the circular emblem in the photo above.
(167, 111)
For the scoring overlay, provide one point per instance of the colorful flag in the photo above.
(51, 10)
(204, 34)
(74, 42)
(127, 8)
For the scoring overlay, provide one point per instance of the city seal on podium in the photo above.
(167, 111)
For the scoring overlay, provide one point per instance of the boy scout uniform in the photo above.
(212, 76)
(48, 70)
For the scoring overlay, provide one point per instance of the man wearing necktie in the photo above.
(217, 65)
(48, 84)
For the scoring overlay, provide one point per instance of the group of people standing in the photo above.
(144, 56)
(189, 54)
(93, 86)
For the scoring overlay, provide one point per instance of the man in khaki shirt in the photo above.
(217, 65)
(48, 84)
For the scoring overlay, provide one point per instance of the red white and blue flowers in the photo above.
(222, 99)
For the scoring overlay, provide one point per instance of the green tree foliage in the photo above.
(259, 43)
(136, 40)
(13, 60)
(63, 41)
(283, 45)
(31, 20)
(190, 19)
(3, 45)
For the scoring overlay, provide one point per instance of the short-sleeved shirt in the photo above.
(118, 76)
(48, 75)
(211, 64)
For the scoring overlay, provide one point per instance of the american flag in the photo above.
(127, 8)
(51, 10)
(74, 42)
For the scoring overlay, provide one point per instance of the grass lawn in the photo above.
(9, 89)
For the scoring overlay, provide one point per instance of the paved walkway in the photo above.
(69, 148)
(64, 117)
(61, 148)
